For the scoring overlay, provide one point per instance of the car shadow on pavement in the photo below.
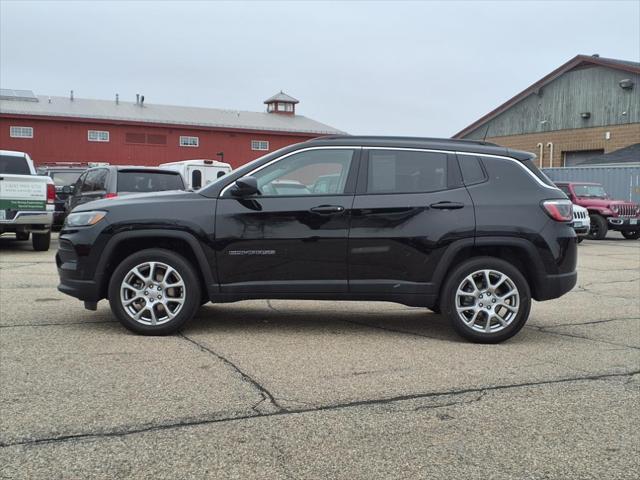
(369, 319)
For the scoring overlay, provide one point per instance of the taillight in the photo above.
(51, 193)
(559, 210)
(111, 195)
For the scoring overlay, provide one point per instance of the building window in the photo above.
(189, 141)
(259, 145)
(289, 107)
(281, 107)
(98, 135)
(21, 132)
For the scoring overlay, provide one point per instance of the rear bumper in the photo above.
(554, 286)
(624, 223)
(28, 222)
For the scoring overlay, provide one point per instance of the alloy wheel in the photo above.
(487, 301)
(152, 293)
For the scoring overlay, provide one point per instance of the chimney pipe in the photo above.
(137, 98)
(71, 96)
(141, 99)
(117, 99)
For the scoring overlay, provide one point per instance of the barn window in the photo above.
(98, 135)
(259, 145)
(21, 132)
(189, 141)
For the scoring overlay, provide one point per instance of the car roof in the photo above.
(447, 144)
(133, 168)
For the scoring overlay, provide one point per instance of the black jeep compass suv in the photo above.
(469, 229)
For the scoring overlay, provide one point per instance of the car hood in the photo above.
(137, 199)
(601, 202)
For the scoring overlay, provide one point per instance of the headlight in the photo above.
(84, 219)
(614, 208)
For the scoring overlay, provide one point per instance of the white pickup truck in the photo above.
(26, 200)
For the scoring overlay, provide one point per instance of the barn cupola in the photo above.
(281, 103)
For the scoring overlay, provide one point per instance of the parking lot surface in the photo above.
(284, 389)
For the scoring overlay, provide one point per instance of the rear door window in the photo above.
(138, 181)
(403, 171)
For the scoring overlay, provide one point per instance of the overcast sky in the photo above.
(414, 68)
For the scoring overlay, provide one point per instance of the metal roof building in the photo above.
(54, 129)
(585, 108)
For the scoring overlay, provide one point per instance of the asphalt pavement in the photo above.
(326, 390)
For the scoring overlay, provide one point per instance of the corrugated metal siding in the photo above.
(560, 103)
(622, 183)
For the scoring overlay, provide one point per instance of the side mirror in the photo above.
(245, 186)
(68, 189)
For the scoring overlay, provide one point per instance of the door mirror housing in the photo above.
(245, 186)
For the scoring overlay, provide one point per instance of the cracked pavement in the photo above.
(291, 390)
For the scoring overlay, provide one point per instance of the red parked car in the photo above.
(606, 214)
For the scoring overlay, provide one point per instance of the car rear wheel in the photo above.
(631, 234)
(486, 299)
(154, 292)
(598, 227)
(41, 241)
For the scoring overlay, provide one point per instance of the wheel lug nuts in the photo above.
(146, 293)
(488, 307)
(159, 288)
(159, 297)
(494, 300)
(480, 296)
(481, 305)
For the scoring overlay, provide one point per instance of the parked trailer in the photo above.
(620, 182)
(198, 173)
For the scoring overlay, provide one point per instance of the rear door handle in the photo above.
(447, 205)
(327, 209)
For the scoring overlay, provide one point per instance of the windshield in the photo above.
(142, 181)
(62, 179)
(590, 191)
(14, 165)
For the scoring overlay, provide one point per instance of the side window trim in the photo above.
(353, 169)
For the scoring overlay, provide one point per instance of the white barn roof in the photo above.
(109, 110)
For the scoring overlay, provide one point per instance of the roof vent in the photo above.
(71, 95)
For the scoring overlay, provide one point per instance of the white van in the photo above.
(198, 173)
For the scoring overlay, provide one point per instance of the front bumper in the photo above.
(624, 223)
(581, 227)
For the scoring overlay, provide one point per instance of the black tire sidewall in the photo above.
(448, 298)
(631, 235)
(601, 223)
(41, 241)
(176, 261)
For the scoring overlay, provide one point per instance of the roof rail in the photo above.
(406, 138)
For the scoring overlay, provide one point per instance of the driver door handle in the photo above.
(327, 209)
(447, 205)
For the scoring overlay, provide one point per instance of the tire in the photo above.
(631, 234)
(164, 305)
(41, 241)
(599, 227)
(475, 326)
(22, 236)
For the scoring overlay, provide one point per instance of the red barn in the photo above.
(68, 129)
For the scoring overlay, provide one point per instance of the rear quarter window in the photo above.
(471, 168)
(141, 182)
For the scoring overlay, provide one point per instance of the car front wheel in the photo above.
(486, 299)
(41, 241)
(154, 292)
(599, 227)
